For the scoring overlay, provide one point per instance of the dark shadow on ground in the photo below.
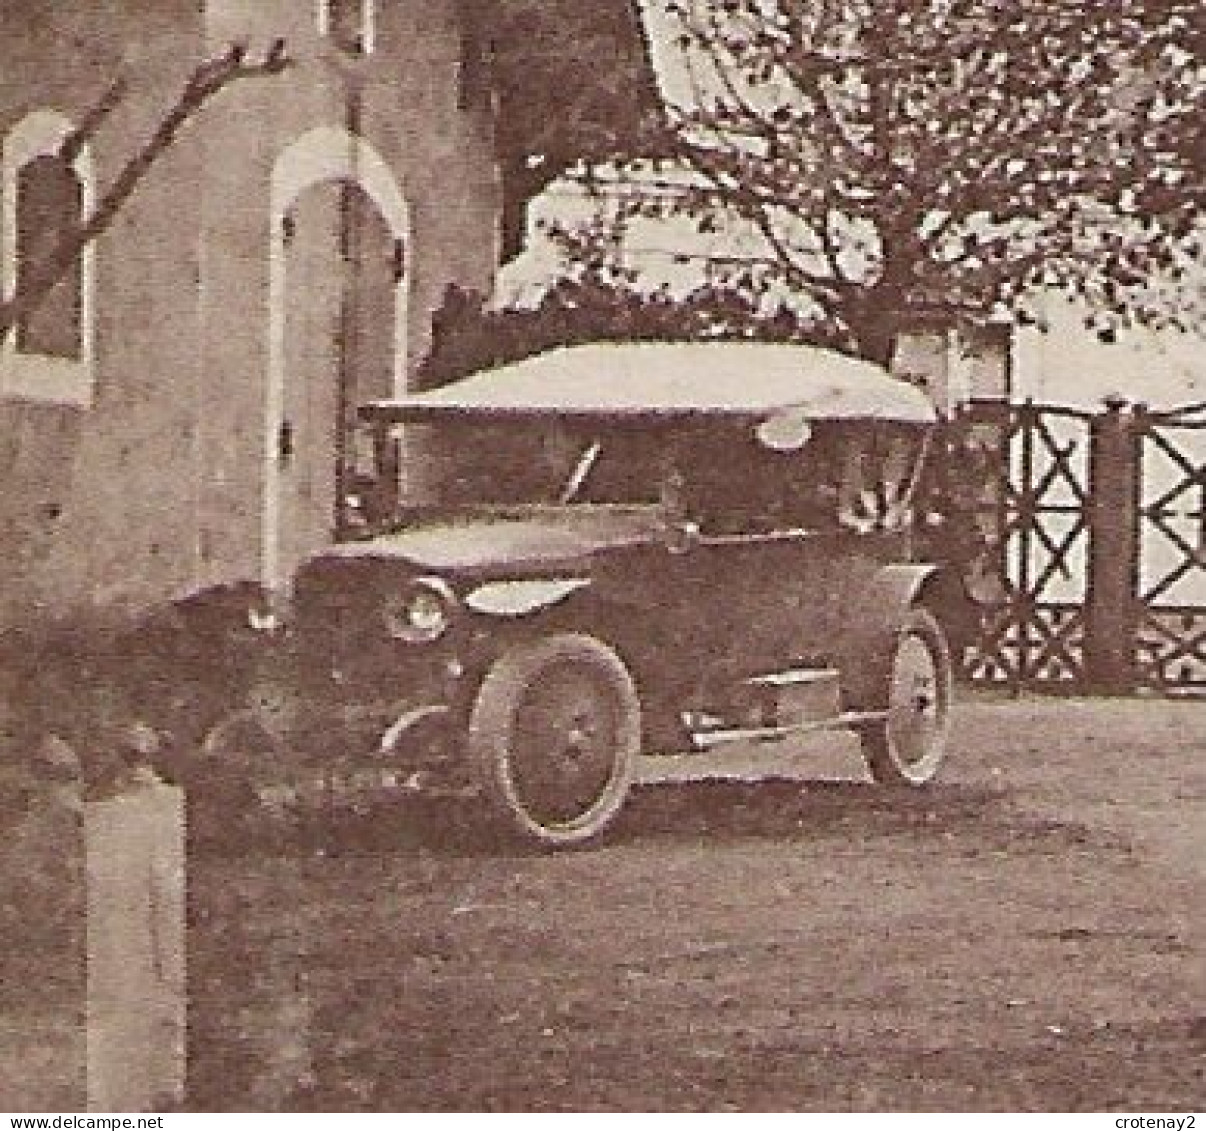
(665, 815)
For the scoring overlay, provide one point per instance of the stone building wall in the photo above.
(150, 472)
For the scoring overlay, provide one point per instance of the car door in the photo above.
(756, 602)
(753, 590)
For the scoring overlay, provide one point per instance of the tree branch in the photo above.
(209, 79)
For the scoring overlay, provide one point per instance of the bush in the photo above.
(126, 695)
(468, 336)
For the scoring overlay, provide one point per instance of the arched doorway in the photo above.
(338, 334)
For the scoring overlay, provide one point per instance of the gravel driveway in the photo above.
(1027, 934)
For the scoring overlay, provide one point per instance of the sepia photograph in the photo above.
(602, 556)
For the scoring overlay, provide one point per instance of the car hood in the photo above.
(531, 543)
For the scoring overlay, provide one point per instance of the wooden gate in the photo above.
(1171, 641)
(1095, 528)
(1035, 521)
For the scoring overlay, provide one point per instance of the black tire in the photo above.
(553, 736)
(908, 747)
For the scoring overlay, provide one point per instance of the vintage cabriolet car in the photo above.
(636, 548)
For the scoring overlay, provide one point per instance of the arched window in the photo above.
(349, 24)
(46, 193)
(50, 199)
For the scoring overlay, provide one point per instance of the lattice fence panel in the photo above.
(1040, 647)
(1171, 644)
(1036, 634)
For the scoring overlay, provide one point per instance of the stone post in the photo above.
(134, 845)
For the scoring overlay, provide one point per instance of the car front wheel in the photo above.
(909, 745)
(554, 734)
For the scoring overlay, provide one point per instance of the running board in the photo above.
(794, 677)
(707, 739)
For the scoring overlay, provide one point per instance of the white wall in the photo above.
(1068, 364)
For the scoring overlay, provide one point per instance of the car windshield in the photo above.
(856, 475)
(481, 466)
(544, 462)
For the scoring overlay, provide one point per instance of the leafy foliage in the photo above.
(521, 54)
(598, 306)
(901, 153)
(95, 699)
(547, 53)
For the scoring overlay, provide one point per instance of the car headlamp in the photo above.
(420, 613)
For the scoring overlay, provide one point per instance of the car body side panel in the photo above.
(723, 609)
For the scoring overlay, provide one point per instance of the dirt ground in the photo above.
(1027, 934)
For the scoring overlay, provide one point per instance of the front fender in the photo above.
(898, 586)
(872, 609)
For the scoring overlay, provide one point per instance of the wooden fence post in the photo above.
(1111, 597)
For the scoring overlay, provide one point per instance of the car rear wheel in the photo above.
(908, 747)
(554, 734)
